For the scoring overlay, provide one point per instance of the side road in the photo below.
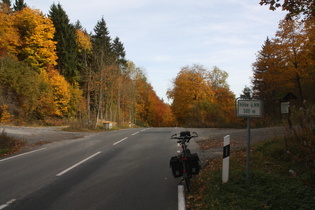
(38, 135)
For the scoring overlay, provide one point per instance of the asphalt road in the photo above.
(126, 169)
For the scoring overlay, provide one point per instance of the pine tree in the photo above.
(102, 61)
(19, 5)
(101, 40)
(67, 48)
(119, 51)
(267, 60)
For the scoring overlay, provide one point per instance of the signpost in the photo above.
(249, 108)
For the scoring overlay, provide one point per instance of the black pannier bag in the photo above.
(194, 164)
(177, 167)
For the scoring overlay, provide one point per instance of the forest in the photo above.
(53, 69)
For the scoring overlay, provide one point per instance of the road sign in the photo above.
(249, 108)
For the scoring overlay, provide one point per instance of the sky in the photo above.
(163, 36)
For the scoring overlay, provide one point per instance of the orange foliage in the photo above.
(202, 98)
(190, 87)
(286, 63)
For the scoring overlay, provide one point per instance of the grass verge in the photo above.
(271, 185)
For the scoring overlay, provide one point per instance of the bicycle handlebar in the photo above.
(185, 135)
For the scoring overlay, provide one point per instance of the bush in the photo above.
(9, 144)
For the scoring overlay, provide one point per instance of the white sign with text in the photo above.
(249, 108)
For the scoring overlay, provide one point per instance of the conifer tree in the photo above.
(102, 60)
(67, 48)
(120, 53)
(101, 40)
(19, 5)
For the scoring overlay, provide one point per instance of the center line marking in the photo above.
(79, 163)
(135, 133)
(120, 141)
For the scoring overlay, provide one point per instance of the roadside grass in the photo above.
(9, 145)
(270, 186)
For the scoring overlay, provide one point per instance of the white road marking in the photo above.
(120, 141)
(79, 163)
(7, 204)
(26, 153)
(181, 198)
(135, 133)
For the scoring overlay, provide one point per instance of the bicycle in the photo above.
(185, 164)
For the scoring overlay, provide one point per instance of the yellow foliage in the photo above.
(5, 116)
(61, 92)
(55, 94)
(9, 38)
(83, 40)
(37, 32)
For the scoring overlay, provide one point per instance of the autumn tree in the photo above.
(286, 65)
(224, 98)
(189, 88)
(9, 36)
(48, 64)
(84, 63)
(67, 47)
(283, 64)
(294, 7)
(36, 33)
(202, 98)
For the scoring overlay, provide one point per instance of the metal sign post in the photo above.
(248, 149)
(248, 108)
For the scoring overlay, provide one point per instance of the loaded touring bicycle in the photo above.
(186, 164)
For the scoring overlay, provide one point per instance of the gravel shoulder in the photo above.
(38, 135)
